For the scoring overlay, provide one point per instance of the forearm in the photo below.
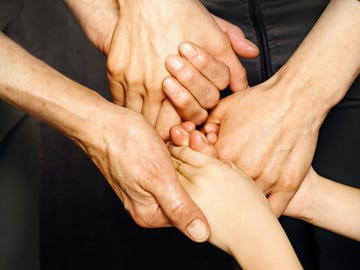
(326, 63)
(34, 87)
(97, 18)
(333, 206)
(259, 242)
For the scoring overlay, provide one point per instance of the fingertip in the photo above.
(199, 142)
(188, 126)
(198, 230)
(188, 50)
(179, 136)
(211, 128)
(212, 138)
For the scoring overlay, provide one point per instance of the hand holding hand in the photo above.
(145, 34)
(136, 163)
(270, 136)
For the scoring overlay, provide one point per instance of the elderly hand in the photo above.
(146, 33)
(270, 135)
(136, 163)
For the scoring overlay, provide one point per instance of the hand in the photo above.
(137, 164)
(145, 34)
(270, 135)
(210, 182)
(237, 210)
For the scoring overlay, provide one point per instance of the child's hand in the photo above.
(221, 190)
(196, 81)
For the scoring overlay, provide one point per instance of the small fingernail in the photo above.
(175, 63)
(198, 230)
(188, 51)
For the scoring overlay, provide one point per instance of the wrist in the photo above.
(299, 108)
(97, 19)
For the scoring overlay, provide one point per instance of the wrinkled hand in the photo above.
(145, 34)
(270, 134)
(137, 164)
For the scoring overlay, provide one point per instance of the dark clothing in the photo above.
(83, 224)
(278, 27)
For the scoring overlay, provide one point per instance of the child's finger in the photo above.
(199, 143)
(185, 172)
(189, 156)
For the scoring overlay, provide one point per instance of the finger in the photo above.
(179, 136)
(167, 118)
(117, 91)
(185, 170)
(185, 104)
(241, 46)
(214, 118)
(182, 211)
(238, 76)
(134, 101)
(151, 109)
(211, 132)
(279, 201)
(212, 138)
(149, 218)
(216, 72)
(211, 128)
(189, 156)
(198, 142)
(206, 94)
(142, 215)
(188, 126)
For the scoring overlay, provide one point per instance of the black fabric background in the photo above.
(83, 224)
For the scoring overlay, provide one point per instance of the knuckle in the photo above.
(184, 101)
(189, 77)
(203, 62)
(114, 67)
(199, 117)
(178, 212)
(224, 78)
(211, 99)
(144, 217)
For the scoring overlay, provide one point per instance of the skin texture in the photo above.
(319, 201)
(270, 131)
(241, 219)
(149, 189)
(147, 32)
(275, 143)
(93, 124)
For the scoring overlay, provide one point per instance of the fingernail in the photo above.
(170, 87)
(198, 230)
(251, 46)
(175, 63)
(188, 51)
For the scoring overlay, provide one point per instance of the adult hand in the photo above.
(136, 163)
(123, 145)
(270, 135)
(146, 33)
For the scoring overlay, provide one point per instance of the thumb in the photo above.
(278, 202)
(181, 210)
(240, 44)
